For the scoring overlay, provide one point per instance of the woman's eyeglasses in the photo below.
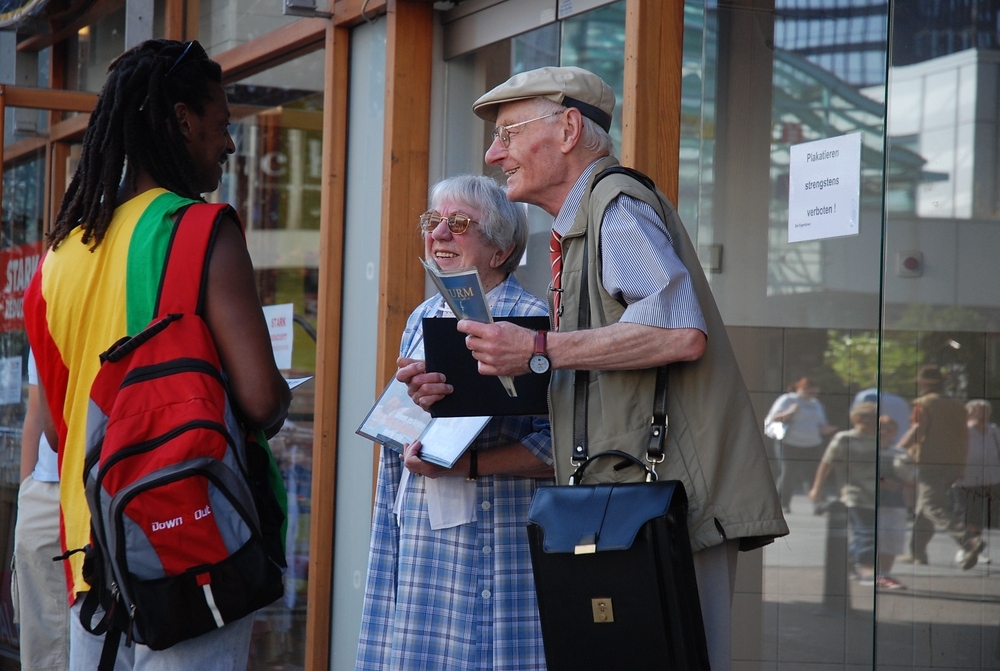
(458, 223)
(192, 50)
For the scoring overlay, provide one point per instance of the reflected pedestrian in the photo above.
(803, 438)
(938, 442)
(977, 492)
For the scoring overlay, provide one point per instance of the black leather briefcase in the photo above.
(614, 576)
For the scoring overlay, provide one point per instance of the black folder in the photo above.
(475, 394)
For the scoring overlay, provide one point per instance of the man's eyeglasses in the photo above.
(502, 133)
(193, 51)
(458, 223)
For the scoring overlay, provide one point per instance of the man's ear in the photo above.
(571, 129)
(183, 114)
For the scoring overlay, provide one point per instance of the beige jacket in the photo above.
(714, 445)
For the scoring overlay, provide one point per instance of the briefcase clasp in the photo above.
(603, 611)
(587, 545)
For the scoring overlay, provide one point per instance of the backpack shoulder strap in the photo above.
(629, 172)
(185, 272)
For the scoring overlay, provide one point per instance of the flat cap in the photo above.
(567, 86)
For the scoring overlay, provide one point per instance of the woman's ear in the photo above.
(500, 257)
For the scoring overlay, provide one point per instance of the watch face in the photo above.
(539, 363)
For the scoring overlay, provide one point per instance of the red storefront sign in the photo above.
(17, 265)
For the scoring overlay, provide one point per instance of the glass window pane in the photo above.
(226, 24)
(940, 329)
(21, 225)
(803, 316)
(273, 181)
(90, 51)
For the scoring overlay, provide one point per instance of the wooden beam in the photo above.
(58, 180)
(651, 105)
(350, 13)
(57, 76)
(48, 99)
(409, 34)
(174, 20)
(324, 462)
(279, 46)
(58, 151)
(61, 138)
(192, 19)
(70, 129)
(21, 148)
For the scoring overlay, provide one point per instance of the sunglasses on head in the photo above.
(193, 51)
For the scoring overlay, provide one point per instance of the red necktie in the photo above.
(555, 256)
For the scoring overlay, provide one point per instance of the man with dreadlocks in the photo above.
(162, 120)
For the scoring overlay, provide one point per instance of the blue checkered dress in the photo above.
(461, 598)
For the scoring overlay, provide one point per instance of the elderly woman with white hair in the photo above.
(449, 577)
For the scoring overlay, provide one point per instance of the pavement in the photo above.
(815, 618)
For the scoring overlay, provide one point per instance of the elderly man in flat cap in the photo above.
(628, 296)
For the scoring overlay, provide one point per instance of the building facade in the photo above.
(345, 115)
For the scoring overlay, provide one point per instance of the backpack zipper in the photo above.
(172, 367)
(142, 485)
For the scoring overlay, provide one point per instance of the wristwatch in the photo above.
(539, 362)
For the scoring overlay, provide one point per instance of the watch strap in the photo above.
(540, 342)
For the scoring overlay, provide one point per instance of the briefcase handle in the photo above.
(578, 473)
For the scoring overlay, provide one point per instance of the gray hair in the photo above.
(594, 139)
(977, 403)
(501, 222)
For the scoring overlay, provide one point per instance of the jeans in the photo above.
(862, 523)
(225, 649)
(798, 466)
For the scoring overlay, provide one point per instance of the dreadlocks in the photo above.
(134, 121)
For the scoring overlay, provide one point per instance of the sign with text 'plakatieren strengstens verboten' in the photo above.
(824, 188)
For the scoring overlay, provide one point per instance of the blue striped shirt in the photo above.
(639, 264)
(462, 598)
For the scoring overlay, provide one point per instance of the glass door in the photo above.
(40, 150)
(273, 181)
(940, 337)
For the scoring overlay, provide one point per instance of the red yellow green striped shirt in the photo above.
(79, 303)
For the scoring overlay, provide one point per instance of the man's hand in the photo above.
(425, 389)
(504, 349)
(501, 348)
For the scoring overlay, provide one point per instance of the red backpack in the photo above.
(185, 528)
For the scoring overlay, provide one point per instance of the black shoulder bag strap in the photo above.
(655, 447)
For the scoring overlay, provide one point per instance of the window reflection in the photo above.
(861, 323)
(21, 228)
(273, 180)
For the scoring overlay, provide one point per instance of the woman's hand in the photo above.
(417, 466)
(425, 389)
